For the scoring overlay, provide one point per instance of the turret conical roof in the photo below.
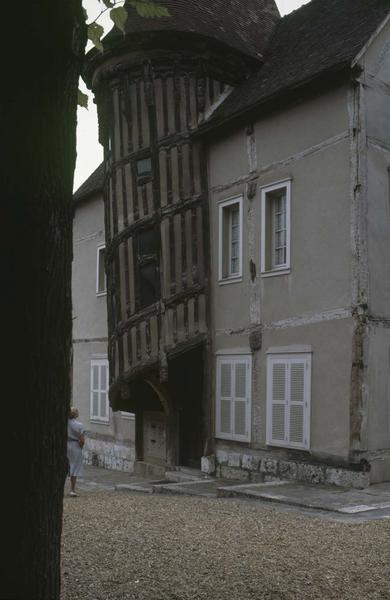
(245, 25)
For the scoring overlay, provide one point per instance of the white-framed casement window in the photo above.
(99, 391)
(275, 228)
(233, 398)
(288, 400)
(101, 286)
(230, 240)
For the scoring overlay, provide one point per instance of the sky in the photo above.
(89, 151)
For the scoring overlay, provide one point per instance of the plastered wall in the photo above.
(308, 144)
(375, 117)
(108, 444)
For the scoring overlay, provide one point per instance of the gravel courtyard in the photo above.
(156, 547)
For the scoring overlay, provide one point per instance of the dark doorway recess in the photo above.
(187, 389)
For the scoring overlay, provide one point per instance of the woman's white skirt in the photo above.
(75, 459)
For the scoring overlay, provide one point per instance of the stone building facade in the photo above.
(247, 221)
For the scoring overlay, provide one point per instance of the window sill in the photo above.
(287, 446)
(228, 280)
(233, 438)
(276, 272)
(143, 179)
(99, 421)
(98, 294)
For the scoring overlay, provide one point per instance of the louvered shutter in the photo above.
(95, 391)
(240, 399)
(288, 401)
(103, 391)
(233, 398)
(277, 403)
(296, 407)
(99, 390)
(225, 398)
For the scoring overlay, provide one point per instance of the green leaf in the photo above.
(82, 99)
(119, 16)
(95, 33)
(108, 3)
(148, 8)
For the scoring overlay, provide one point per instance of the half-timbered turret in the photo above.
(154, 87)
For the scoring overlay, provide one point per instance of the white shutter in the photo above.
(277, 401)
(99, 391)
(233, 398)
(103, 391)
(95, 377)
(240, 398)
(288, 401)
(297, 403)
(95, 404)
(224, 406)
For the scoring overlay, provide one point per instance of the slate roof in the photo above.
(245, 25)
(92, 185)
(319, 37)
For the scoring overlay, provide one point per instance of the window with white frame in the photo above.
(275, 227)
(288, 400)
(233, 399)
(101, 286)
(230, 239)
(99, 390)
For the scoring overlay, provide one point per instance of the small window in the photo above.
(101, 286)
(230, 239)
(275, 227)
(233, 402)
(99, 391)
(144, 167)
(288, 400)
(147, 275)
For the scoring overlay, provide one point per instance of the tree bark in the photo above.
(41, 63)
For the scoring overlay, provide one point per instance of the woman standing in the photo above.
(76, 440)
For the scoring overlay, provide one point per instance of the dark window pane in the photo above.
(147, 267)
(148, 282)
(144, 167)
(147, 243)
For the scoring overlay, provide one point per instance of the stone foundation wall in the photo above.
(256, 468)
(109, 455)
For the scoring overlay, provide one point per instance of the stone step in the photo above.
(206, 487)
(183, 474)
(149, 470)
(176, 475)
(145, 486)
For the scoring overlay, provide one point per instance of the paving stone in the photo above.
(348, 503)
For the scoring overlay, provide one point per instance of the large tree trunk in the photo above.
(40, 69)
